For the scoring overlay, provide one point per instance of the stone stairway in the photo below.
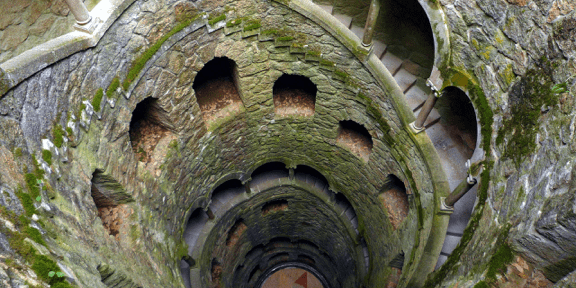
(452, 151)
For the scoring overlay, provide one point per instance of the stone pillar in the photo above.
(371, 23)
(418, 125)
(247, 185)
(191, 262)
(460, 191)
(291, 173)
(80, 11)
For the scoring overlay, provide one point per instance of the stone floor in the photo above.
(292, 278)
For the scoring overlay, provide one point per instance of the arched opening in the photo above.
(194, 227)
(294, 95)
(404, 28)
(347, 209)
(217, 90)
(109, 197)
(394, 198)
(313, 177)
(223, 194)
(268, 172)
(150, 131)
(235, 233)
(356, 138)
(459, 118)
(274, 206)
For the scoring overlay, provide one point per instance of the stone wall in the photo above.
(505, 46)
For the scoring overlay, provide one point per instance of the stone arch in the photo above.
(217, 92)
(458, 112)
(294, 95)
(355, 137)
(223, 194)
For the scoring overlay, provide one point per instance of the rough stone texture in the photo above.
(27, 23)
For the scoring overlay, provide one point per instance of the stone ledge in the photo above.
(17, 69)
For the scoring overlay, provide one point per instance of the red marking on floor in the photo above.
(303, 280)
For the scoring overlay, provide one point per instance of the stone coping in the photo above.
(17, 69)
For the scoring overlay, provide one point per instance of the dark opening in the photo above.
(194, 227)
(356, 138)
(304, 172)
(270, 170)
(235, 233)
(458, 116)
(224, 193)
(305, 259)
(274, 206)
(216, 89)
(394, 198)
(278, 258)
(349, 211)
(149, 124)
(294, 95)
(216, 271)
(409, 38)
(108, 195)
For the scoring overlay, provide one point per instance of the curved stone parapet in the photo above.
(18, 68)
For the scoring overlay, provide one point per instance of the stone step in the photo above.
(359, 31)
(391, 61)
(345, 19)
(434, 114)
(327, 8)
(379, 48)
(404, 79)
(415, 97)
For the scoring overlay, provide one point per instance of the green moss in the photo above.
(298, 45)
(47, 156)
(97, 100)
(499, 261)
(18, 152)
(27, 203)
(252, 25)
(269, 32)
(340, 73)
(216, 18)
(43, 265)
(325, 62)
(315, 53)
(285, 38)
(113, 87)
(58, 135)
(139, 63)
(526, 98)
(69, 131)
(35, 235)
(234, 22)
(481, 284)
(32, 184)
(558, 270)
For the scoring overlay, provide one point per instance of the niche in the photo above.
(110, 199)
(150, 131)
(224, 194)
(294, 95)
(216, 272)
(217, 90)
(278, 258)
(459, 118)
(274, 206)
(396, 265)
(395, 199)
(356, 138)
(235, 233)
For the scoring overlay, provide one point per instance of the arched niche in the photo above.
(394, 198)
(355, 137)
(223, 194)
(294, 95)
(217, 90)
(150, 127)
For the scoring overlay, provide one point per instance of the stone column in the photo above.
(460, 191)
(371, 23)
(79, 10)
(418, 125)
(247, 185)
